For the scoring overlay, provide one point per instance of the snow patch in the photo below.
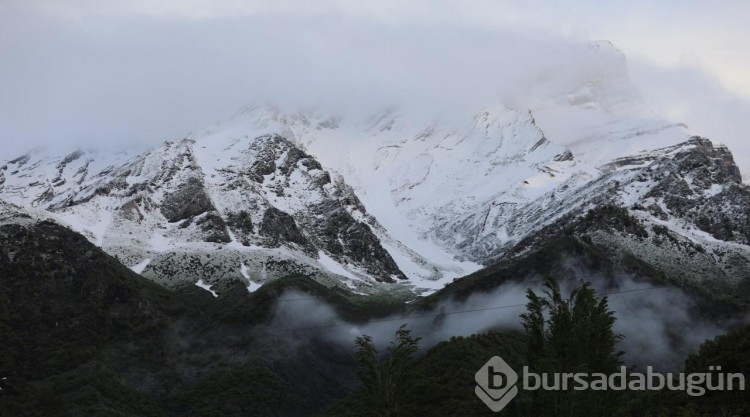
(140, 266)
(206, 287)
(160, 243)
(333, 266)
(715, 189)
(252, 286)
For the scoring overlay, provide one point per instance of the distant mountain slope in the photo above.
(397, 201)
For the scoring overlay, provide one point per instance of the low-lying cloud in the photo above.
(660, 326)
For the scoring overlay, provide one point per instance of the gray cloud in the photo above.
(123, 79)
(699, 99)
(84, 72)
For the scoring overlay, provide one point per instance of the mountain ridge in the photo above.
(392, 200)
(266, 194)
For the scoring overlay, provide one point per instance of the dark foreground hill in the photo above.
(82, 335)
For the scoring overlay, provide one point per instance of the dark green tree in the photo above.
(387, 383)
(570, 335)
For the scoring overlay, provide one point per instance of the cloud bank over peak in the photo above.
(100, 72)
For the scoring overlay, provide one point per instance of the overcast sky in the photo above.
(142, 71)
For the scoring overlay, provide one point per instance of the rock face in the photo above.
(338, 232)
(681, 210)
(280, 227)
(703, 186)
(189, 200)
(250, 209)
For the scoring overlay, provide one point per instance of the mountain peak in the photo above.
(365, 201)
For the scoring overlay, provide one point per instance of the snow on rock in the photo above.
(252, 285)
(140, 266)
(329, 264)
(206, 287)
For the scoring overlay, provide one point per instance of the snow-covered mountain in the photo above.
(394, 200)
(218, 208)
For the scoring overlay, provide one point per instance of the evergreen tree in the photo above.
(387, 384)
(571, 335)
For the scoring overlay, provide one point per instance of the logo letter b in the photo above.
(496, 384)
(494, 376)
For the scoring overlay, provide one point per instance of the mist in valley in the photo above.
(660, 325)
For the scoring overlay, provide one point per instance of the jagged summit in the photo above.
(370, 201)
